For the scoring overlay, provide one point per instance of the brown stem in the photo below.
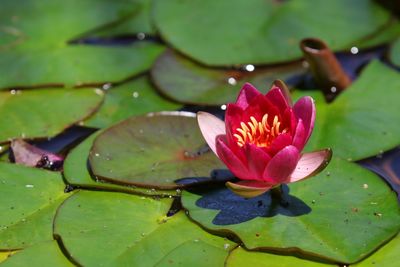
(324, 66)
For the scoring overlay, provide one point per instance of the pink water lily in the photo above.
(262, 138)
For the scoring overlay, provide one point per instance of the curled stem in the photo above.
(326, 69)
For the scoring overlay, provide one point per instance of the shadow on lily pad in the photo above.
(235, 209)
(216, 176)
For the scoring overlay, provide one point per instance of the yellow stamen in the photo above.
(259, 133)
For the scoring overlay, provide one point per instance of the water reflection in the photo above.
(387, 165)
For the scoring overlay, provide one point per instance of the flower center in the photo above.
(259, 133)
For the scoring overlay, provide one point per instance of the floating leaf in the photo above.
(365, 111)
(386, 165)
(387, 256)
(394, 54)
(188, 82)
(383, 35)
(37, 51)
(29, 198)
(132, 98)
(240, 32)
(133, 231)
(44, 112)
(240, 257)
(137, 23)
(76, 173)
(342, 214)
(159, 150)
(42, 254)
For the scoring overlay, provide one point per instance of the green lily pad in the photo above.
(139, 22)
(44, 112)
(4, 255)
(29, 199)
(240, 32)
(37, 51)
(42, 254)
(394, 54)
(76, 173)
(343, 214)
(160, 150)
(132, 98)
(133, 231)
(191, 83)
(383, 35)
(365, 111)
(240, 257)
(387, 256)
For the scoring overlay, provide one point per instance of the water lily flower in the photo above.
(262, 138)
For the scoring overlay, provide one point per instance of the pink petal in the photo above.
(257, 159)
(279, 143)
(233, 118)
(289, 120)
(234, 164)
(305, 110)
(246, 94)
(29, 155)
(281, 165)
(210, 127)
(277, 98)
(285, 91)
(310, 164)
(248, 189)
(299, 138)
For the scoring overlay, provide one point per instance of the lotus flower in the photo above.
(262, 139)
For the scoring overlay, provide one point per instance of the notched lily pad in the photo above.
(228, 32)
(77, 173)
(38, 49)
(136, 97)
(29, 198)
(133, 231)
(188, 82)
(44, 112)
(364, 216)
(159, 150)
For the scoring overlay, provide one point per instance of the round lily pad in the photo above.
(132, 98)
(133, 231)
(42, 254)
(188, 82)
(77, 174)
(29, 198)
(159, 150)
(230, 32)
(367, 110)
(45, 40)
(240, 257)
(45, 112)
(387, 256)
(343, 214)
